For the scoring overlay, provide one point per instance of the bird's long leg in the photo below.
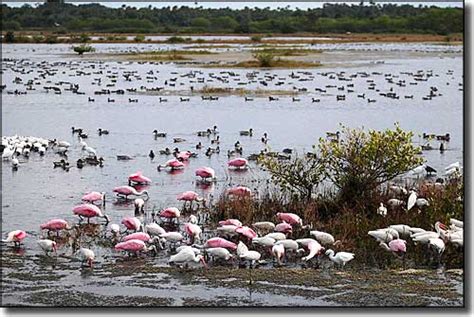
(250, 273)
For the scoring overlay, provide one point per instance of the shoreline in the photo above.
(302, 38)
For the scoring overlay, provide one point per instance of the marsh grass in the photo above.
(177, 52)
(351, 224)
(243, 92)
(287, 51)
(277, 63)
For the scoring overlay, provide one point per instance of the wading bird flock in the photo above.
(181, 231)
(186, 233)
(188, 237)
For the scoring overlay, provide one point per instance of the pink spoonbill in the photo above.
(134, 246)
(92, 197)
(138, 178)
(125, 191)
(173, 164)
(15, 236)
(193, 231)
(55, 225)
(89, 211)
(217, 242)
(206, 173)
(132, 223)
(234, 222)
(397, 246)
(183, 156)
(314, 248)
(246, 232)
(284, 227)
(238, 163)
(292, 219)
(145, 237)
(190, 196)
(239, 191)
(170, 213)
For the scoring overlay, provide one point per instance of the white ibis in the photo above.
(340, 258)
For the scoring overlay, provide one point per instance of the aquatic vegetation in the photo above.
(277, 63)
(83, 48)
(358, 161)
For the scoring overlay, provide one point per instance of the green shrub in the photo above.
(265, 59)
(84, 38)
(83, 48)
(51, 39)
(38, 38)
(9, 37)
(299, 176)
(256, 38)
(139, 38)
(360, 161)
(175, 40)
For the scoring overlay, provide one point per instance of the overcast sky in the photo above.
(235, 4)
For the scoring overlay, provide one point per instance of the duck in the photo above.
(80, 163)
(204, 133)
(248, 132)
(123, 157)
(151, 155)
(445, 137)
(76, 130)
(426, 147)
(428, 136)
(166, 151)
(59, 163)
(102, 131)
(94, 160)
(265, 138)
(333, 135)
(159, 134)
(178, 140)
(215, 141)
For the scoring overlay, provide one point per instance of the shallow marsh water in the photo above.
(37, 192)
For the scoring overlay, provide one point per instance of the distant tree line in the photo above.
(331, 18)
